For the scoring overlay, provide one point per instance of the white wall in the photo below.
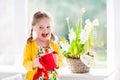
(12, 31)
(117, 38)
(20, 26)
(114, 37)
(117, 31)
(19, 30)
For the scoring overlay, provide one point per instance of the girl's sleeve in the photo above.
(60, 61)
(27, 59)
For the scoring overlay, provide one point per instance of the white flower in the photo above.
(96, 22)
(72, 35)
(65, 46)
(87, 60)
(88, 26)
(67, 18)
(83, 36)
(88, 22)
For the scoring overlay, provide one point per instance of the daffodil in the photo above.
(63, 40)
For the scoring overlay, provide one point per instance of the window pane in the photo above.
(71, 8)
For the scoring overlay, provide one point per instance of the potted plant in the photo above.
(77, 49)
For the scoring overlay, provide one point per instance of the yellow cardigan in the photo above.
(31, 49)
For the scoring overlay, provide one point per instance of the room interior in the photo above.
(111, 72)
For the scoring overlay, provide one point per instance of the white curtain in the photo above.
(13, 26)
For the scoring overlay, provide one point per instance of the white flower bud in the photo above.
(96, 22)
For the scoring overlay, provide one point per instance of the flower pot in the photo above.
(77, 66)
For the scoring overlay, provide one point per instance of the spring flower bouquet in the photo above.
(79, 44)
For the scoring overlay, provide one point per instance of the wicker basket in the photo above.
(77, 66)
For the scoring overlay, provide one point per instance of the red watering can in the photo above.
(48, 62)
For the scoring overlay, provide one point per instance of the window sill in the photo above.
(93, 74)
(12, 69)
(63, 73)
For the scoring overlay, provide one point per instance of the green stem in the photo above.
(81, 21)
(89, 43)
(89, 40)
(68, 23)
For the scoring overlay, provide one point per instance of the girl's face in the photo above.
(43, 29)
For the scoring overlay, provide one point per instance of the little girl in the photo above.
(35, 48)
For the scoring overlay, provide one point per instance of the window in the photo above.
(12, 33)
(62, 9)
(15, 14)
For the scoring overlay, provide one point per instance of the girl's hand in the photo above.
(56, 58)
(36, 63)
